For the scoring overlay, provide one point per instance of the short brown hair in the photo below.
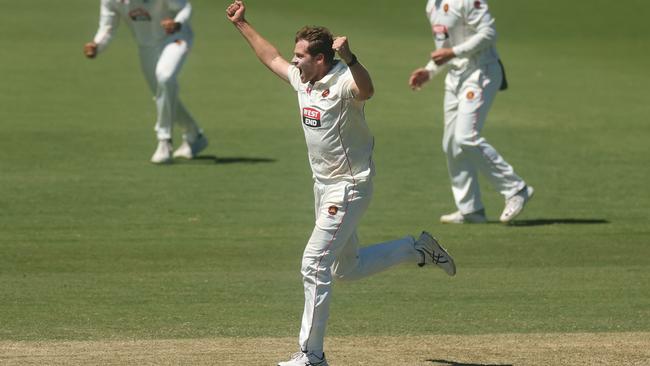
(320, 41)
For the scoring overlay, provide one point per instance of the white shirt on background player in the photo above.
(146, 33)
(466, 27)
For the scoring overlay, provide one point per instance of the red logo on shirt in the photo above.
(439, 28)
(446, 8)
(441, 32)
(325, 93)
(470, 95)
(311, 117)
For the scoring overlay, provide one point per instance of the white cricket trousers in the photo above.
(161, 66)
(333, 251)
(468, 99)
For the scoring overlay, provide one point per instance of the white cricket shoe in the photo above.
(163, 154)
(189, 150)
(516, 203)
(304, 359)
(477, 217)
(432, 252)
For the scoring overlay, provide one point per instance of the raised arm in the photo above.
(265, 51)
(362, 87)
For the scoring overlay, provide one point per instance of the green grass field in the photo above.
(96, 243)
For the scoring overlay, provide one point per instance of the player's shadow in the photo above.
(566, 221)
(213, 159)
(454, 363)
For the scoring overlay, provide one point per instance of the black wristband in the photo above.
(353, 62)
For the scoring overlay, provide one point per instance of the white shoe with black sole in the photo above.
(431, 252)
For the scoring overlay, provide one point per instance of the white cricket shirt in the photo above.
(467, 27)
(339, 142)
(143, 18)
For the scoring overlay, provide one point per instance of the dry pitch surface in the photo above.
(484, 350)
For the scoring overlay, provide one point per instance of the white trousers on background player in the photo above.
(333, 251)
(468, 99)
(161, 66)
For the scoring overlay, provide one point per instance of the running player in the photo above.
(331, 95)
(465, 39)
(162, 31)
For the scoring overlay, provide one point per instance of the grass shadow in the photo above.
(560, 221)
(213, 159)
(454, 363)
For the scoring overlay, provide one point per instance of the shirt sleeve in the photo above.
(183, 10)
(346, 83)
(430, 7)
(294, 77)
(109, 19)
(478, 18)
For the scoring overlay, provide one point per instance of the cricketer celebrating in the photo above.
(465, 39)
(162, 31)
(331, 95)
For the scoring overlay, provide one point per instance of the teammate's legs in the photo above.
(148, 60)
(149, 57)
(462, 172)
(476, 97)
(163, 64)
(188, 124)
(167, 68)
(169, 65)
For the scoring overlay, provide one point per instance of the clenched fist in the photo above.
(170, 26)
(418, 78)
(90, 49)
(342, 48)
(235, 11)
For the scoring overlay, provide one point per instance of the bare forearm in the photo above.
(264, 50)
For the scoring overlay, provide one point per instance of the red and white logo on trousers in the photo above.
(311, 117)
(441, 32)
(332, 210)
